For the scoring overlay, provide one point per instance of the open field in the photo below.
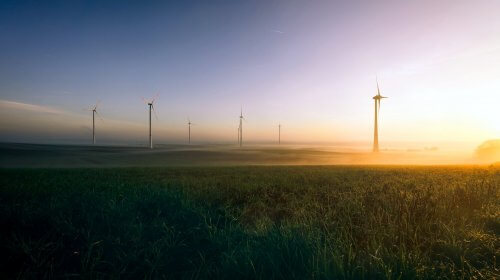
(260, 222)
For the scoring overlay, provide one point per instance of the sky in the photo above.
(309, 65)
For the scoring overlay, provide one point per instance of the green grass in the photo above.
(251, 222)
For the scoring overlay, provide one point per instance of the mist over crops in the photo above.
(37, 155)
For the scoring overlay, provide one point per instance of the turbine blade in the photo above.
(99, 116)
(144, 100)
(155, 97)
(154, 111)
(378, 89)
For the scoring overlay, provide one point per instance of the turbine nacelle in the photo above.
(150, 103)
(241, 113)
(94, 114)
(377, 99)
(240, 127)
(94, 110)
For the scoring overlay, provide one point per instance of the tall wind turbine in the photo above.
(151, 108)
(377, 99)
(189, 130)
(240, 128)
(94, 113)
(279, 134)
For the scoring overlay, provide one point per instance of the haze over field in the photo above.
(310, 66)
(57, 156)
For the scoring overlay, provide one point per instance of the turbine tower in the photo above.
(279, 134)
(189, 130)
(240, 128)
(377, 99)
(151, 108)
(94, 113)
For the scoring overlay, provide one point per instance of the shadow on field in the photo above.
(250, 222)
(106, 226)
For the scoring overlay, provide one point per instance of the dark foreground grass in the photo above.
(251, 222)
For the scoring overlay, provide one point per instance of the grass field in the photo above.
(264, 222)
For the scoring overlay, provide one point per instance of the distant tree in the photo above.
(489, 150)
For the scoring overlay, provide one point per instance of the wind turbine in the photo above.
(240, 128)
(151, 108)
(377, 99)
(94, 113)
(279, 134)
(189, 129)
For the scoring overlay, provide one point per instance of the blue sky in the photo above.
(310, 65)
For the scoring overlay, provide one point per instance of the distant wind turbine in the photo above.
(94, 113)
(189, 130)
(240, 129)
(151, 108)
(279, 134)
(377, 99)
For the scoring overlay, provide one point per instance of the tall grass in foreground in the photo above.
(251, 222)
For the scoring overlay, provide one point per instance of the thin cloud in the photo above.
(12, 105)
(29, 107)
(276, 31)
(62, 93)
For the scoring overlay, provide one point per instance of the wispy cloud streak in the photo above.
(29, 107)
(276, 31)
